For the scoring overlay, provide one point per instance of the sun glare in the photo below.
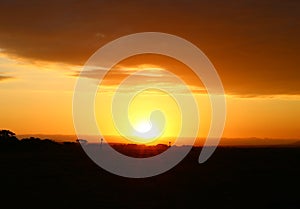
(145, 132)
(143, 126)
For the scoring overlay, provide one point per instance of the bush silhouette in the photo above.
(7, 137)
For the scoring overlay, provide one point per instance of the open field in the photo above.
(62, 176)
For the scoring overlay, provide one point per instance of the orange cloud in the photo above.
(3, 77)
(254, 45)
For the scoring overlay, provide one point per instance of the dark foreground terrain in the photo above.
(62, 176)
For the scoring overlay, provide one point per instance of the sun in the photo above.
(145, 132)
(143, 126)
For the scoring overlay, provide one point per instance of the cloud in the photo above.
(3, 77)
(138, 77)
(254, 45)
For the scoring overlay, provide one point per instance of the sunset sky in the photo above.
(254, 46)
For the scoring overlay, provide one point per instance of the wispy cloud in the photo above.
(168, 88)
(138, 77)
(4, 77)
(95, 72)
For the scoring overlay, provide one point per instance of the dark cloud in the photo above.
(254, 45)
(2, 77)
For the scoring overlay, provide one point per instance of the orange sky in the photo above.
(254, 46)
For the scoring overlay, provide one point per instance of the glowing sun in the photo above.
(143, 126)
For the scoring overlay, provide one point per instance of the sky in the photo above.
(254, 46)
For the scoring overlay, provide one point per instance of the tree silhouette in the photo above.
(31, 140)
(7, 136)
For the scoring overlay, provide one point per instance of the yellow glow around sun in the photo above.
(145, 132)
(148, 130)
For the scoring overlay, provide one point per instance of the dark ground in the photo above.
(62, 176)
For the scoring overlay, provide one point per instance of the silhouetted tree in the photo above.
(49, 141)
(7, 136)
(38, 144)
(6, 133)
(69, 143)
(31, 140)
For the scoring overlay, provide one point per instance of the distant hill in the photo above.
(258, 142)
(57, 138)
(200, 141)
(296, 144)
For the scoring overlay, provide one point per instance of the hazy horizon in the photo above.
(246, 141)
